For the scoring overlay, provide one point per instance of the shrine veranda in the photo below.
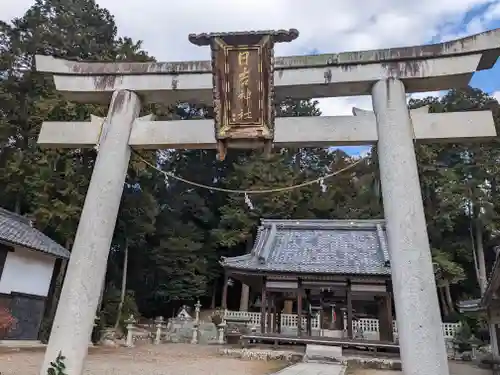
(243, 81)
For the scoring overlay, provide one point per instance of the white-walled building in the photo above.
(27, 260)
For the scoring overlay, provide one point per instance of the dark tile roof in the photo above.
(476, 305)
(493, 283)
(317, 246)
(18, 230)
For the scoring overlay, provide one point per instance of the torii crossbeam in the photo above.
(247, 83)
(322, 131)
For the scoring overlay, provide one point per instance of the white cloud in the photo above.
(422, 95)
(325, 25)
(343, 106)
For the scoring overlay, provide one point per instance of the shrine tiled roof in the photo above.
(17, 230)
(493, 282)
(491, 292)
(353, 247)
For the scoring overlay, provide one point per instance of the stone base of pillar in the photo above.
(220, 331)
(194, 338)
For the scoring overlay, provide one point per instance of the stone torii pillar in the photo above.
(385, 74)
(80, 294)
(413, 279)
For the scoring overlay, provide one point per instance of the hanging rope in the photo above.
(319, 180)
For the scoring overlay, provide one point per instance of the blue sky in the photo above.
(487, 80)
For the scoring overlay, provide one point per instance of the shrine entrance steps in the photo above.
(313, 368)
(323, 353)
(277, 339)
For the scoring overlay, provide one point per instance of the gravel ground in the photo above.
(455, 369)
(173, 359)
(166, 359)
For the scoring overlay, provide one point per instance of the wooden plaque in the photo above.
(243, 86)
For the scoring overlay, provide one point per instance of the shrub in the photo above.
(217, 318)
(7, 321)
(110, 304)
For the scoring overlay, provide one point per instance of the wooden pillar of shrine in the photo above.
(385, 317)
(245, 296)
(277, 316)
(390, 323)
(349, 311)
(309, 324)
(224, 291)
(309, 313)
(245, 288)
(270, 313)
(263, 307)
(299, 309)
(338, 317)
(381, 316)
(390, 317)
(321, 317)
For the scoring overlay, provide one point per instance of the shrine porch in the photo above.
(370, 328)
(276, 339)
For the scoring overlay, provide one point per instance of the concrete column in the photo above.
(87, 266)
(245, 292)
(421, 337)
(493, 339)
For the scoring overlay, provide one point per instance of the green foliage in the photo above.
(111, 301)
(57, 367)
(217, 318)
(447, 270)
(461, 196)
(476, 323)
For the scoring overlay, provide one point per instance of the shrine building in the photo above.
(335, 270)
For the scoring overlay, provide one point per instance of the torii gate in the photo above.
(242, 80)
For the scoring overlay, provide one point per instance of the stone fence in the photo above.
(199, 332)
(367, 326)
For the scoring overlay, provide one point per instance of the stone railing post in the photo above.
(197, 309)
(194, 338)
(159, 324)
(130, 331)
(221, 329)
